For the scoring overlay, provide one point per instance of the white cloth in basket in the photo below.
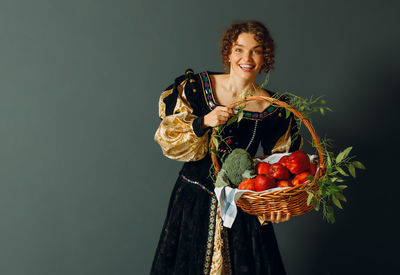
(227, 196)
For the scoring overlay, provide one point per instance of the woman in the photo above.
(193, 240)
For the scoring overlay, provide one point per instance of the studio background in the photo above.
(84, 188)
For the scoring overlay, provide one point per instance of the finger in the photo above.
(226, 114)
(222, 108)
(221, 112)
(227, 110)
(278, 216)
(223, 117)
(286, 218)
(267, 217)
(272, 217)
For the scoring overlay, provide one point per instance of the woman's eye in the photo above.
(257, 51)
(238, 50)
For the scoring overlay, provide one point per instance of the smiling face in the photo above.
(246, 58)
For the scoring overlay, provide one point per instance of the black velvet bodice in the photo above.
(186, 241)
(254, 129)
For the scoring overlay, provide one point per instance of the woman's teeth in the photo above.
(246, 66)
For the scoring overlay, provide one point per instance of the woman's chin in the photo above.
(245, 73)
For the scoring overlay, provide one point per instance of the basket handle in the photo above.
(304, 120)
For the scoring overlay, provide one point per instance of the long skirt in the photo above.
(186, 243)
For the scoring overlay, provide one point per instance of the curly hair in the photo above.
(261, 35)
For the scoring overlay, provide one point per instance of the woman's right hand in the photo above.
(218, 116)
(277, 217)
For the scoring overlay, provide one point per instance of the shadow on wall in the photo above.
(362, 239)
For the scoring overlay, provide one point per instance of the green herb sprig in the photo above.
(330, 187)
(330, 184)
(218, 138)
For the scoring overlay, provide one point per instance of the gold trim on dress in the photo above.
(217, 259)
(210, 238)
(212, 103)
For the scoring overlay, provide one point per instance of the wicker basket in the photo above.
(293, 199)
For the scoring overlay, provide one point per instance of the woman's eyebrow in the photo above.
(240, 45)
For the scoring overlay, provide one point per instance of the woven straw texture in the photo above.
(292, 200)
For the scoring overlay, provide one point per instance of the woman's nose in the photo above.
(247, 56)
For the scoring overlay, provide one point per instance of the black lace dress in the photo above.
(186, 243)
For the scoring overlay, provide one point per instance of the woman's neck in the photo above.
(237, 86)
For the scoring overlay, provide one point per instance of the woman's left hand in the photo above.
(277, 217)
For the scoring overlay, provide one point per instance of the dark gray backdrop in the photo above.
(83, 186)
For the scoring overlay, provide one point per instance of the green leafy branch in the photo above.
(218, 138)
(330, 187)
(306, 106)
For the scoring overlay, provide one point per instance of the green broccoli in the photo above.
(234, 166)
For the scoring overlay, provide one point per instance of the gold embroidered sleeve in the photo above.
(175, 134)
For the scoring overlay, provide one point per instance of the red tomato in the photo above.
(262, 168)
(247, 184)
(283, 160)
(300, 178)
(279, 171)
(284, 183)
(313, 168)
(298, 162)
(264, 182)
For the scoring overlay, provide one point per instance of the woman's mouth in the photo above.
(246, 68)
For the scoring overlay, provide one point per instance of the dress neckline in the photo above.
(212, 104)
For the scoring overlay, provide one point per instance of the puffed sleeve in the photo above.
(283, 137)
(180, 133)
